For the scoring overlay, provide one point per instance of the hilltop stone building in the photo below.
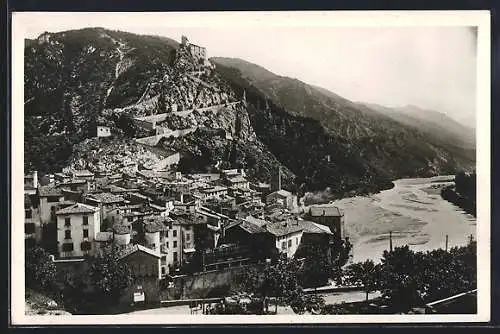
(197, 51)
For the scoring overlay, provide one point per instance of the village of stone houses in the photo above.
(122, 227)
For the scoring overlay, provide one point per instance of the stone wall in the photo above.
(154, 140)
(202, 285)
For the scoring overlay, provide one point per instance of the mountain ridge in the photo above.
(77, 79)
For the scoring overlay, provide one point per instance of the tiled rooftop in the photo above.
(284, 227)
(76, 209)
(251, 227)
(325, 210)
(49, 191)
(82, 172)
(311, 227)
(106, 198)
(237, 179)
(121, 228)
(136, 248)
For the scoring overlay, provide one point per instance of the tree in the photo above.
(317, 268)
(40, 271)
(448, 273)
(365, 273)
(280, 280)
(342, 253)
(109, 275)
(401, 279)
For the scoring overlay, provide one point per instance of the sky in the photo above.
(427, 65)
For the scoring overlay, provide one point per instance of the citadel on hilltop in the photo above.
(198, 52)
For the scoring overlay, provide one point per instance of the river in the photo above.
(414, 212)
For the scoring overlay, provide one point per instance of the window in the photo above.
(188, 237)
(175, 244)
(86, 220)
(163, 270)
(52, 199)
(85, 233)
(86, 246)
(67, 247)
(283, 245)
(67, 234)
(27, 213)
(175, 233)
(175, 256)
(67, 221)
(29, 228)
(289, 243)
(167, 244)
(167, 236)
(130, 219)
(296, 241)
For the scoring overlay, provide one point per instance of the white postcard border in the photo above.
(481, 19)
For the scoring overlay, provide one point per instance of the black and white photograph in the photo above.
(250, 167)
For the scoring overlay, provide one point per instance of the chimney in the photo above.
(35, 179)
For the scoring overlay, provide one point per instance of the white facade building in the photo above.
(77, 228)
(103, 131)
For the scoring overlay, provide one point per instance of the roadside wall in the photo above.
(202, 285)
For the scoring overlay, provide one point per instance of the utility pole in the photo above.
(390, 241)
(446, 246)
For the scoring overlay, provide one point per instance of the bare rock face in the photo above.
(78, 79)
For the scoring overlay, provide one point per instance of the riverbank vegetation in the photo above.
(406, 279)
(409, 279)
(463, 193)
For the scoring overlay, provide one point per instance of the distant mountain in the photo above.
(469, 121)
(434, 124)
(361, 142)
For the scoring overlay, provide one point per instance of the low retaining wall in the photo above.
(158, 118)
(325, 289)
(154, 140)
(208, 284)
